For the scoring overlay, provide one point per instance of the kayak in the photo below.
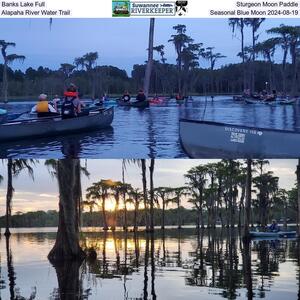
(138, 104)
(156, 101)
(205, 139)
(50, 126)
(279, 234)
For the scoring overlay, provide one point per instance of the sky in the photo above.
(119, 42)
(42, 193)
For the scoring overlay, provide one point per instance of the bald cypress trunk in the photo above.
(163, 213)
(145, 194)
(150, 58)
(248, 198)
(9, 195)
(5, 83)
(151, 169)
(67, 239)
(298, 189)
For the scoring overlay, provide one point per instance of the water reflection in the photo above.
(151, 132)
(170, 264)
(14, 291)
(70, 146)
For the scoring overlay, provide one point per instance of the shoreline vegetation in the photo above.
(270, 64)
(43, 219)
(212, 194)
(112, 96)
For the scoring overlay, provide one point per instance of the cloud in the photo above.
(47, 196)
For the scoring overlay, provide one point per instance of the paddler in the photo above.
(43, 108)
(55, 102)
(72, 105)
(140, 96)
(126, 96)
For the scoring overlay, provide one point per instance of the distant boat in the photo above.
(253, 101)
(203, 139)
(50, 126)
(238, 98)
(284, 101)
(287, 101)
(138, 104)
(279, 234)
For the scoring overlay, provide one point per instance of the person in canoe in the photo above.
(43, 108)
(55, 102)
(274, 226)
(126, 97)
(97, 101)
(271, 97)
(140, 96)
(72, 106)
(179, 97)
(104, 98)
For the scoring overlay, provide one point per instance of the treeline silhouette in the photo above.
(114, 81)
(188, 217)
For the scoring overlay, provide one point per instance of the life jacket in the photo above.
(71, 94)
(68, 108)
(42, 107)
(126, 98)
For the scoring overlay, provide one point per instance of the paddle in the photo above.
(11, 117)
(23, 113)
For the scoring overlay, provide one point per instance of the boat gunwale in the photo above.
(47, 119)
(220, 124)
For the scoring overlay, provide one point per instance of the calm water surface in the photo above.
(172, 265)
(150, 132)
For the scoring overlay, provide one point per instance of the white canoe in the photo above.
(204, 139)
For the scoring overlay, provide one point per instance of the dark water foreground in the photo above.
(150, 132)
(171, 265)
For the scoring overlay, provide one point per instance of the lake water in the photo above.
(174, 264)
(150, 132)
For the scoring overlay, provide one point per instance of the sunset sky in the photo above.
(119, 42)
(41, 194)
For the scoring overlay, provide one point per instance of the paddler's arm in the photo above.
(33, 110)
(51, 108)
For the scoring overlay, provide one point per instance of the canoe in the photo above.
(14, 116)
(238, 98)
(273, 102)
(138, 104)
(287, 101)
(251, 101)
(204, 139)
(279, 234)
(50, 126)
